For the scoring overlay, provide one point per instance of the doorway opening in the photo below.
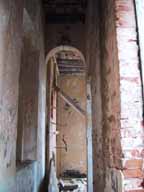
(67, 135)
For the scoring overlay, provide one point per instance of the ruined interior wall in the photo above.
(34, 9)
(110, 87)
(28, 101)
(10, 52)
(131, 103)
(71, 126)
(24, 180)
(11, 37)
(93, 62)
(104, 72)
(120, 134)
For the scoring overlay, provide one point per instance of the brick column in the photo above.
(131, 99)
(10, 50)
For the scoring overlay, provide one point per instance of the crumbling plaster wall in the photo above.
(28, 94)
(11, 36)
(102, 59)
(10, 51)
(116, 93)
(93, 61)
(34, 9)
(72, 126)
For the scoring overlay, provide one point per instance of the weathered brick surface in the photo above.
(133, 164)
(109, 138)
(93, 61)
(103, 60)
(133, 173)
(131, 102)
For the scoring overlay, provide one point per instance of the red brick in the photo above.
(133, 173)
(134, 164)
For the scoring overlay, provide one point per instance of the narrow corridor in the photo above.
(71, 95)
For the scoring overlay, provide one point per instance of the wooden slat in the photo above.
(71, 66)
(71, 70)
(70, 62)
(70, 101)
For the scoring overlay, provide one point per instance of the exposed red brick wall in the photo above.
(110, 85)
(131, 102)
(117, 124)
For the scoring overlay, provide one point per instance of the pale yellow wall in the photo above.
(72, 125)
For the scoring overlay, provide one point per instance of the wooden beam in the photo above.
(71, 70)
(89, 137)
(70, 61)
(70, 101)
(57, 68)
(71, 66)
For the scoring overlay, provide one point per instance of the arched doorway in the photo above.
(60, 48)
(67, 139)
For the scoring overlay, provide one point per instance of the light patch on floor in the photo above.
(73, 184)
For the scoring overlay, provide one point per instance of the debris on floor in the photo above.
(72, 180)
(73, 174)
(73, 184)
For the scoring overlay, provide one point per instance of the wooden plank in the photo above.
(71, 70)
(55, 61)
(71, 66)
(70, 101)
(89, 138)
(72, 73)
(70, 61)
(52, 73)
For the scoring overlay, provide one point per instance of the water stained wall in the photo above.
(10, 51)
(103, 64)
(71, 126)
(116, 90)
(28, 101)
(11, 44)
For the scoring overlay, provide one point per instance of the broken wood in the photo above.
(70, 101)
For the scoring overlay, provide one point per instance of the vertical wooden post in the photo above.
(52, 74)
(89, 138)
